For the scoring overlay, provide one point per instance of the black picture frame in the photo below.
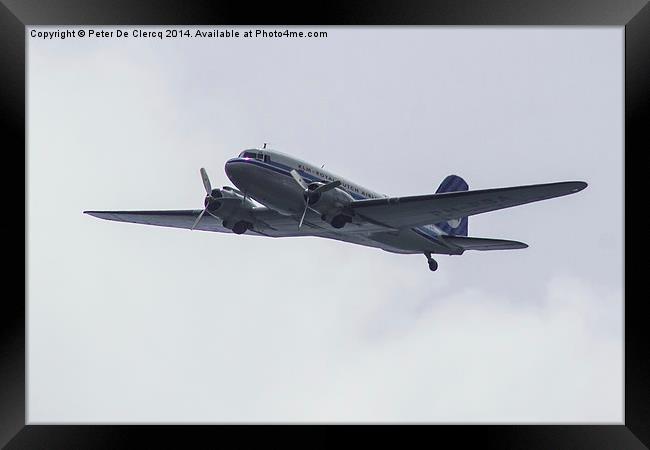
(16, 15)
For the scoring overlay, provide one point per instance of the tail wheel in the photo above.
(433, 265)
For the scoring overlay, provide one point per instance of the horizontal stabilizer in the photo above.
(474, 243)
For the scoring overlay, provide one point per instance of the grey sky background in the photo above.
(134, 323)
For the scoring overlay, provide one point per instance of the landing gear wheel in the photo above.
(433, 265)
(240, 227)
(339, 221)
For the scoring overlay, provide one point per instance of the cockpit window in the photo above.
(254, 155)
(248, 154)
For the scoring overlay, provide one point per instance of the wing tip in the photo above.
(578, 185)
(98, 214)
(515, 245)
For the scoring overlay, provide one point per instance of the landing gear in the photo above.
(433, 265)
(340, 220)
(241, 227)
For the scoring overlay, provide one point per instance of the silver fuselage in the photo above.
(267, 179)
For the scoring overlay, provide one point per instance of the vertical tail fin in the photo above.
(454, 227)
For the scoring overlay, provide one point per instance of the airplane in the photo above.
(277, 195)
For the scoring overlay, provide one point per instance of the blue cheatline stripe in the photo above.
(286, 170)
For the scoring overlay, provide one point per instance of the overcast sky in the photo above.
(130, 323)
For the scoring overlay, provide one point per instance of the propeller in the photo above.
(210, 198)
(311, 192)
(206, 181)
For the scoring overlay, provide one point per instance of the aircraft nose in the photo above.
(234, 170)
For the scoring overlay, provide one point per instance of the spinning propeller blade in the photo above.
(308, 194)
(327, 187)
(303, 215)
(198, 219)
(296, 176)
(206, 181)
(208, 191)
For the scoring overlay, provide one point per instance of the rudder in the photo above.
(454, 227)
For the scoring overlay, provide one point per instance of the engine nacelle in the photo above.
(227, 199)
(331, 205)
(329, 201)
(228, 192)
(231, 207)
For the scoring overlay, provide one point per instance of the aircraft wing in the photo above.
(267, 222)
(181, 218)
(401, 212)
